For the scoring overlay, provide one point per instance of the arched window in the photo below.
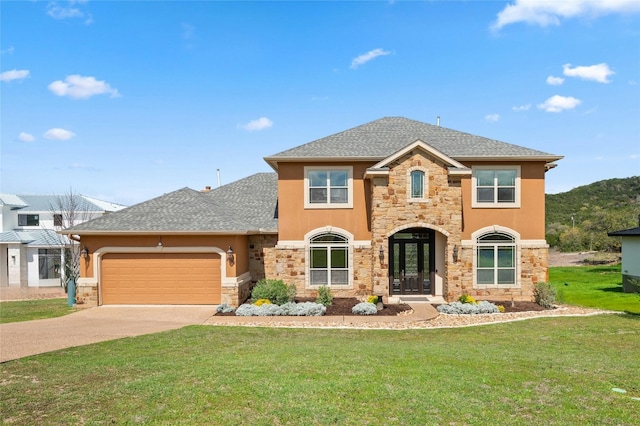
(417, 184)
(328, 260)
(496, 259)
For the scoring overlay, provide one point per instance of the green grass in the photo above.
(593, 287)
(28, 310)
(548, 371)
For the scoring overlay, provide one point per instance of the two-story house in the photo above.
(393, 207)
(32, 254)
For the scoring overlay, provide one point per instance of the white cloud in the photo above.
(555, 81)
(188, 31)
(559, 103)
(26, 137)
(79, 87)
(521, 108)
(550, 12)
(599, 72)
(58, 134)
(259, 124)
(70, 11)
(14, 75)
(492, 117)
(8, 50)
(366, 57)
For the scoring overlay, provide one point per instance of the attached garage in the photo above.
(160, 278)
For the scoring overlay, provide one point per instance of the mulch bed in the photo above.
(342, 306)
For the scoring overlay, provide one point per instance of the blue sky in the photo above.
(125, 101)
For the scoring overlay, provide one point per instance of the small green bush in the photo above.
(372, 299)
(545, 295)
(325, 297)
(276, 291)
(465, 298)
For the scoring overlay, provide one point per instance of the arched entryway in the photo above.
(412, 263)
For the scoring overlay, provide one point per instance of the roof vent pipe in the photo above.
(218, 172)
(438, 121)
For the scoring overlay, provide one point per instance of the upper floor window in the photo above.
(496, 260)
(496, 186)
(328, 187)
(417, 185)
(328, 260)
(28, 220)
(57, 219)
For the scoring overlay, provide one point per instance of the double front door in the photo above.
(411, 263)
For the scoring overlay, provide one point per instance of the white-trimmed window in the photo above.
(496, 260)
(328, 187)
(417, 184)
(28, 220)
(49, 263)
(496, 186)
(329, 260)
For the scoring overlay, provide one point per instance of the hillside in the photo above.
(580, 219)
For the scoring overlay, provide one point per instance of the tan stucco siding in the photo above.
(239, 243)
(527, 220)
(294, 221)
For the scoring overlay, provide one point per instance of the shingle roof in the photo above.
(244, 206)
(386, 136)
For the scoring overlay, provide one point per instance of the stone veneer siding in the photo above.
(289, 264)
(393, 211)
(532, 269)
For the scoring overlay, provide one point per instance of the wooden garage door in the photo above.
(154, 278)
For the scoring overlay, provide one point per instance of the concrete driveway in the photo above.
(93, 325)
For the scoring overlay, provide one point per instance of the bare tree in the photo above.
(68, 210)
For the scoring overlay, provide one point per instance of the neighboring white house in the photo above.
(630, 258)
(31, 252)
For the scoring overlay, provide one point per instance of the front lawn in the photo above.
(551, 371)
(27, 310)
(593, 287)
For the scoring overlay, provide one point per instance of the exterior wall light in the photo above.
(84, 253)
(455, 254)
(230, 255)
(381, 254)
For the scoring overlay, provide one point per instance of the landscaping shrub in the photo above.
(261, 302)
(364, 308)
(325, 297)
(545, 295)
(465, 298)
(457, 308)
(276, 291)
(225, 309)
(372, 299)
(286, 309)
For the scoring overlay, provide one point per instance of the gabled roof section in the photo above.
(382, 138)
(418, 144)
(12, 200)
(242, 207)
(44, 203)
